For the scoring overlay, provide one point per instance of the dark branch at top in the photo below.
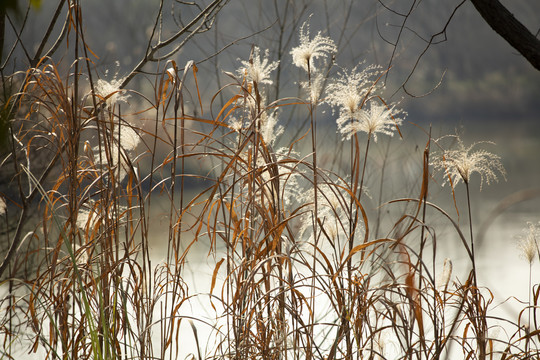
(514, 32)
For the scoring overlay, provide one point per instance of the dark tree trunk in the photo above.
(514, 32)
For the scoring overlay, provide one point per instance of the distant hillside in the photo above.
(482, 76)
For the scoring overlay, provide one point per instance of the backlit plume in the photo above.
(378, 119)
(528, 244)
(111, 92)
(311, 49)
(460, 163)
(256, 69)
(349, 90)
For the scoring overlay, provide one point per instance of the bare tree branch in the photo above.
(509, 28)
(191, 28)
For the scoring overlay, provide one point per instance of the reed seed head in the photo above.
(309, 50)
(256, 69)
(378, 119)
(349, 93)
(446, 274)
(314, 87)
(269, 128)
(460, 163)
(110, 90)
(528, 244)
(3, 206)
(127, 137)
(349, 90)
(235, 123)
(123, 146)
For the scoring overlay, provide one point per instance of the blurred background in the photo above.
(446, 68)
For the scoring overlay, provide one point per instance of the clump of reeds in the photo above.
(297, 270)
